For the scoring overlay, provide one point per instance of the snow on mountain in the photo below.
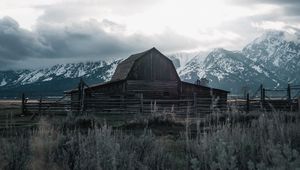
(277, 51)
(3, 82)
(181, 59)
(188, 64)
(100, 70)
(272, 59)
(192, 70)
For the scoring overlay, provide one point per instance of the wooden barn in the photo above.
(152, 75)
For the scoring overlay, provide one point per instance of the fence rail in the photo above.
(127, 107)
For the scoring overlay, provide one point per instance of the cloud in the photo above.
(68, 11)
(72, 30)
(82, 40)
(289, 7)
(17, 43)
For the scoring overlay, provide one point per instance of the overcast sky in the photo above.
(36, 33)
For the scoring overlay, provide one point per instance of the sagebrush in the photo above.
(270, 141)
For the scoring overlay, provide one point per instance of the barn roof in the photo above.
(124, 67)
(91, 87)
(205, 87)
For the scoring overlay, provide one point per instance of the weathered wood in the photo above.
(195, 103)
(23, 109)
(248, 103)
(261, 93)
(40, 106)
(263, 98)
(153, 66)
(289, 93)
(142, 104)
(153, 89)
(299, 104)
(289, 97)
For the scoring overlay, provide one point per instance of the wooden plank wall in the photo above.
(153, 89)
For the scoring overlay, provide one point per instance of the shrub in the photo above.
(14, 152)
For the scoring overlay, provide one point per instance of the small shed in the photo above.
(153, 75)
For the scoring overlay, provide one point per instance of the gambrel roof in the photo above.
(124, 68)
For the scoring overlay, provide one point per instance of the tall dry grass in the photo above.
(266, 141)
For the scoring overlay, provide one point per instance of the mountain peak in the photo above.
(278, 36)
(273, 33)
(218, 50)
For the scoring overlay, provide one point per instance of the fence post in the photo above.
(142, 103)
(261, 92)
(80, 96)
(122, 106)
(248, 103)
(299, 104)
(263, 97)
(195, 104)
(40, 106)
(23, 110)
(289, 92)
(289, 97)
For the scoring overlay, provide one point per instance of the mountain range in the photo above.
(272, 59)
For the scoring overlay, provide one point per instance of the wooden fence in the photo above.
(125, 108)
(266, 99)
(249, 105)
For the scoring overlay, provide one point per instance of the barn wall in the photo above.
(117, 88)
(187, 89)
(222, 98)
(204, 94)
(153, 66)
(153, 89)
(74, 96)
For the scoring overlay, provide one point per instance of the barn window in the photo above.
(166, 93)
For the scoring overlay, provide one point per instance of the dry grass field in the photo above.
(235, 140)
(230, 140)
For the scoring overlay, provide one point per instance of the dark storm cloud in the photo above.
(17, 43)
(86, 39)
(89, 39)
(82, 40)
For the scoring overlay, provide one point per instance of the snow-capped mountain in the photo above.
(188, 64)
(229, 70)
(56, 79)
(181, 59)
(278, 52)
(272, 59)
(103, 70)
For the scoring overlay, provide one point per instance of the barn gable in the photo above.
(124, 67)
(148, 65)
